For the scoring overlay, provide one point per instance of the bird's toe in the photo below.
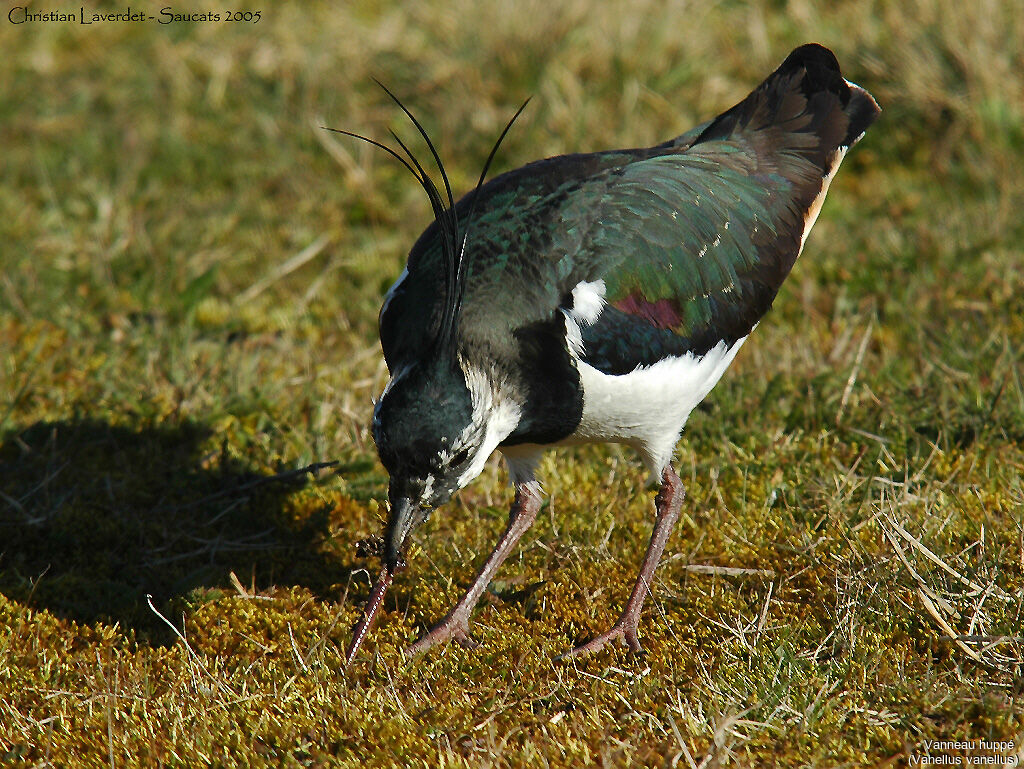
(452, 628)
(465, 640)
(625, 632)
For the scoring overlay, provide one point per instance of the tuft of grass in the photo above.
(189, 280)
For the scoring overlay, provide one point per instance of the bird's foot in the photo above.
(624, 629)
(454, 627)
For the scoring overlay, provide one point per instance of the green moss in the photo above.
(163, 380)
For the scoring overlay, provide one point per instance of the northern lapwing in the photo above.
(594, 298)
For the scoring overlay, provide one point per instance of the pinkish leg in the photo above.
(667, 504)
(455, 625)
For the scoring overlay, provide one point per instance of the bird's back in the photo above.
(652, 253)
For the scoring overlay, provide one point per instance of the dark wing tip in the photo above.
(821, 64)
(822, 73)
(817, 69)
(840, 112)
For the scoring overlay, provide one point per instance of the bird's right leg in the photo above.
(455, 625)
(667, 505)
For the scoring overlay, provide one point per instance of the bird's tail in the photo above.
(796, 126)
(805, 107)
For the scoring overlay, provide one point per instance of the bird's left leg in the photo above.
(455, 625)
(667, 505)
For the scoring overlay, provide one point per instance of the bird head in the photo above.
(430, 439)
(435, 427)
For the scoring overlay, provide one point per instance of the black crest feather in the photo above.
(443, 208)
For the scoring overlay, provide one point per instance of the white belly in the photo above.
(648, 407)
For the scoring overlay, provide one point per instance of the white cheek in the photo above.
(495, 416)
(500, 422)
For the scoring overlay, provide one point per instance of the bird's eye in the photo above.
(460, 456)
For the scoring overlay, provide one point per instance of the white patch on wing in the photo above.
(495, 416)
(587, 304)
(815, 209)
(648, 407)
(588, 301)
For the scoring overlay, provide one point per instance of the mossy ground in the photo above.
(191, 270)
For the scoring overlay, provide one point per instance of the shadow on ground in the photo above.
(94, 517)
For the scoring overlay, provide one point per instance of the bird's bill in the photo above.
(405, 514)
(373, 605)
(403, 518)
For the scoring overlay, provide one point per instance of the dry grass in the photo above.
(191, 275)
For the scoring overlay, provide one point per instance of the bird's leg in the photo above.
(667, 504)
(455, 625)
